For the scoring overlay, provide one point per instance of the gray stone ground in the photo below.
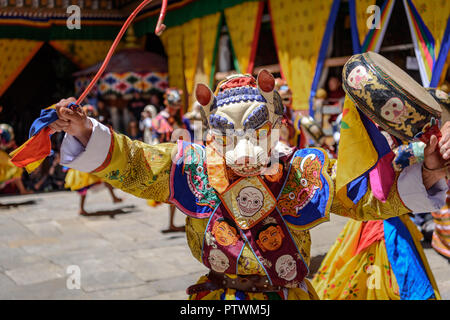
(120, 257)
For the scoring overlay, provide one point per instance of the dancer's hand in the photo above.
(444, 143)
(436, 156)
(74, 122)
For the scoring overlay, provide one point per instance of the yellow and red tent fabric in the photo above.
(300, 31)
(244, 23)
(15, 55)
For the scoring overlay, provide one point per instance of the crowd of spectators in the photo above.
(134, 120)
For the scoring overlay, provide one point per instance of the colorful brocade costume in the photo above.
(379, 260)
(147, 172)
(242, 224)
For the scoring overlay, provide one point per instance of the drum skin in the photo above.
(389, 96)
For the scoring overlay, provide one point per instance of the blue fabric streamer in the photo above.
(411, 276)
(47, 117)
(358, 188)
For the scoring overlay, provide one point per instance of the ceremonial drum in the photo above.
(390, 97)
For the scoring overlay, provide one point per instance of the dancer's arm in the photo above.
(407, 194)
(132, 166)
(416, 189)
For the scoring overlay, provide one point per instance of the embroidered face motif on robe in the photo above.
(302, 187)
(218, 260)
(225, 234)
(250, 200)
(286, 267)
(270, 237)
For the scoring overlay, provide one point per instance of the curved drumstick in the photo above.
(38, 147)
(160, 26)
(159, 29)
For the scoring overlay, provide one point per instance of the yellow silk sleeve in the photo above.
(138, 168)
(369, 207)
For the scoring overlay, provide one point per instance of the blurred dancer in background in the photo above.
(81, 182)
(164, 124)
(9, 173)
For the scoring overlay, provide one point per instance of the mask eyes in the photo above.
(221, 140)
(260, 134)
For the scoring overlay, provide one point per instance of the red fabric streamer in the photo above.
(36, 148)
(371, 232)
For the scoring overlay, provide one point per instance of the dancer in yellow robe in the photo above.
(9, 173)
(193, 178)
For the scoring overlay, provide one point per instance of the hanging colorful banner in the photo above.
(374, 38)
(191, 49)
(182, 11)
(359, 21)
(429, 25)
(435, 15)
(172, 39)
(423, 40)
(442, 62)
(52, 25)
(210, 32)
(322, 53)
(124, 84)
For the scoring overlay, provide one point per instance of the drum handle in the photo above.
(432, 131)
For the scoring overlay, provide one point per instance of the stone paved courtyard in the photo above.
(121, 253)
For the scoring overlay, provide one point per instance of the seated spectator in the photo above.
(319, 101)
(136, 105)
(145, 125)
(133, 131)
(335, 92)
(156, 100)
(103, 113)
